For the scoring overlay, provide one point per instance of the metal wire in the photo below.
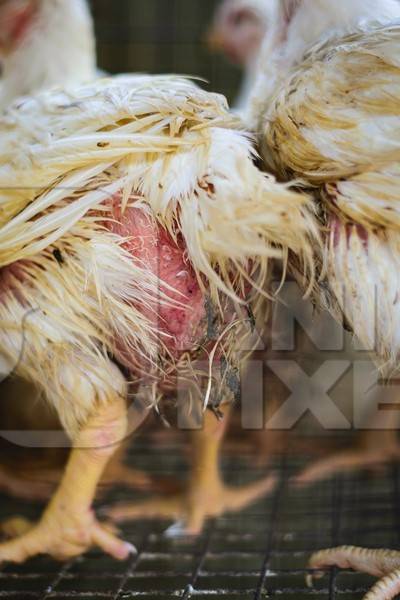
(161, 36)
(260, 553)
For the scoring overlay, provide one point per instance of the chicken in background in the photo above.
(44, 43)
(289, 36)
(326, 108)
(237, 31)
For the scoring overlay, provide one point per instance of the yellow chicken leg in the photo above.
(69, 527)
(206, 495)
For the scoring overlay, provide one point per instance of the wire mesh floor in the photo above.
(260, 553)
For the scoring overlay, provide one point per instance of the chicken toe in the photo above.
(375, 449)
(63, 539)
(195, 506)
(379, 563)
(206, 495)
(15, 527)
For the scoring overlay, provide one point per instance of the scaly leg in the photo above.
(379, 563)
(206, 495)
(69, 527)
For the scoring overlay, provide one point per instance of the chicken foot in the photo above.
(375, 447)
(379, 563)
(68, 526)
(206, 495)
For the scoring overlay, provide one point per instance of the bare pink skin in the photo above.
(178, 314)
(178, 326)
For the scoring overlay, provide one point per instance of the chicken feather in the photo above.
(336, 125)
(132, 214)
(333, 120)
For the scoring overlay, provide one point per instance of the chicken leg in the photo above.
(69, 527)
(206, 495)
(379, 563)
(33, 474)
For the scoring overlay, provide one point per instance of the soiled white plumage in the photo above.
(336, 124)
(297, 26)
(156, 143)
(56, 47)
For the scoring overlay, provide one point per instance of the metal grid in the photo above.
(161, 36)
(260, 553)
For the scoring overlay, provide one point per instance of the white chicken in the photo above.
(47, 42)
(330, 114)
(41, 43)
(138, 220)
(44, 43)
(289, 36)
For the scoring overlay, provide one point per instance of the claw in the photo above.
(192, 508)
(15, 527)
(380, 563)
(61, 540)
(343, 462)
(177, 530)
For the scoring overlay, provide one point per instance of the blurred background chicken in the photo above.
(44, 43)
(146, 197)
(329, 114)
(237, 31)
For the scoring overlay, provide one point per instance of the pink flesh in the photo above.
(179, 326)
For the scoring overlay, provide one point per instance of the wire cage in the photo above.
(161, 36)
(262, 553)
